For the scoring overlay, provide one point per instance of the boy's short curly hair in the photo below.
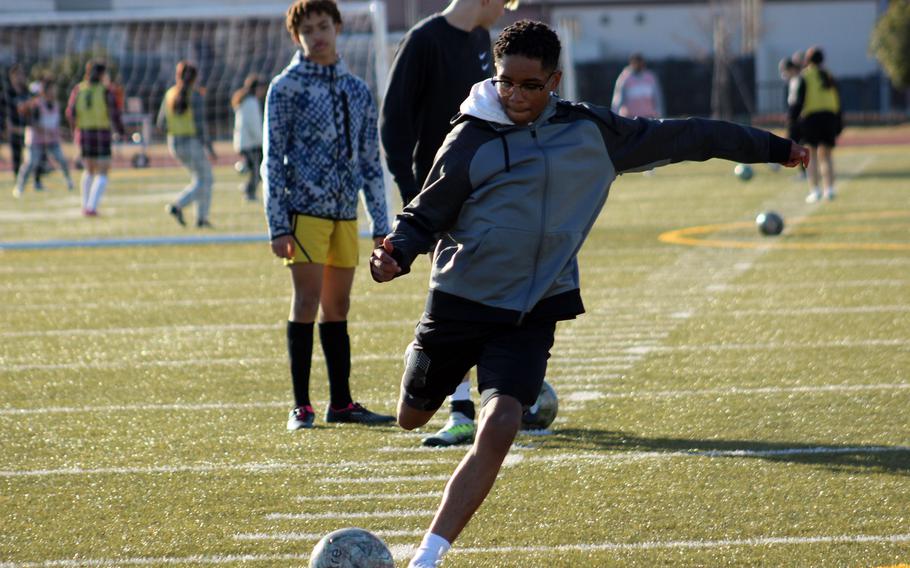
(534, 40)
(304, 9)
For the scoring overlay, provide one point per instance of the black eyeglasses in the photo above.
(505, 87)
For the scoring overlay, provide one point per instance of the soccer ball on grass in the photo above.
(351, 548)
(543, 412)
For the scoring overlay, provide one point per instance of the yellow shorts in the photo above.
(324, 241)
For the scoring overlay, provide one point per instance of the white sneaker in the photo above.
(458, 429)
(829, 194)
(814, 197)
(17, 192)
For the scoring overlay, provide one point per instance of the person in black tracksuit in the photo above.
(435, 66)
(515, 189)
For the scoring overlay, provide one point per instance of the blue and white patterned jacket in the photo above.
(321, 147)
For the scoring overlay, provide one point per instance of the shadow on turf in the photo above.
(882, 175)
(848, 458)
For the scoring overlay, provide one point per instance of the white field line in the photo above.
(111, 284)
(386, 479)
(178, 303)
(400, 514)
(606, 369)
(741, 391)
(211, 468)
(258, 264)
(835, 344)
(557, 381)
(697, 289)
(690, 544)
(160, 561)
(403, 551)
(370, 496)
(169, 329)
(882, 283)
(191, 329)
(297, 536)
(605, 363)
(816, 311)
(206, 266)
(585, 378)
(513, 459)
(155, 304)
(611, 336)
(144, 407)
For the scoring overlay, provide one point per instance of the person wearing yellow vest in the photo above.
(93, 114)
(818, 109)
(182, 115)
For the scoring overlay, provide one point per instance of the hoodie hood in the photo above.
(483, 103)
(307, 67)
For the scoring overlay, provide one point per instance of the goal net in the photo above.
(143, 46)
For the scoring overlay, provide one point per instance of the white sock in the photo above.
(430, 551)
(97, 192)
(463, 392)
(87, 179)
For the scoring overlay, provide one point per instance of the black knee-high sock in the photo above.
(337, 348)
(300, 354)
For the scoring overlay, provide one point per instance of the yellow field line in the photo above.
(689, 236)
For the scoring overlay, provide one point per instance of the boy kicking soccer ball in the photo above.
(513, 193)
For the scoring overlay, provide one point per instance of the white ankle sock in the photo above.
(463, 392)
(98, 188)
(430, 551)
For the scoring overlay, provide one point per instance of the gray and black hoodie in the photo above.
(508, 206)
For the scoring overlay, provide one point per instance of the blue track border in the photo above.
(134, 242)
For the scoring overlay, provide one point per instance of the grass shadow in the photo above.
(848, 458)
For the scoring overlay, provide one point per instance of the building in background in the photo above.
(712, 56)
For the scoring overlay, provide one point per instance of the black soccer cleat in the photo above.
(301, 417)
(357, 414)
(177, 213)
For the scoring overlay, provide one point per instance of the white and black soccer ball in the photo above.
(770, 223)
(542, 413)
(351, 548)
(743, 172)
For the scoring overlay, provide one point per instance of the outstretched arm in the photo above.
(641, 144)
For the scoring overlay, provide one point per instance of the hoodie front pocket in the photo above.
(498, 270)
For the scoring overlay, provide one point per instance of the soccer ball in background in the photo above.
(743, 171)
(770, 223)
(351, 548)
(543, 412)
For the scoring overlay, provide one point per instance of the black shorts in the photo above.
(820, 128)
(511, 360)
(95, 144)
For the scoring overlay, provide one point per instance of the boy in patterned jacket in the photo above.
(320, 150)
